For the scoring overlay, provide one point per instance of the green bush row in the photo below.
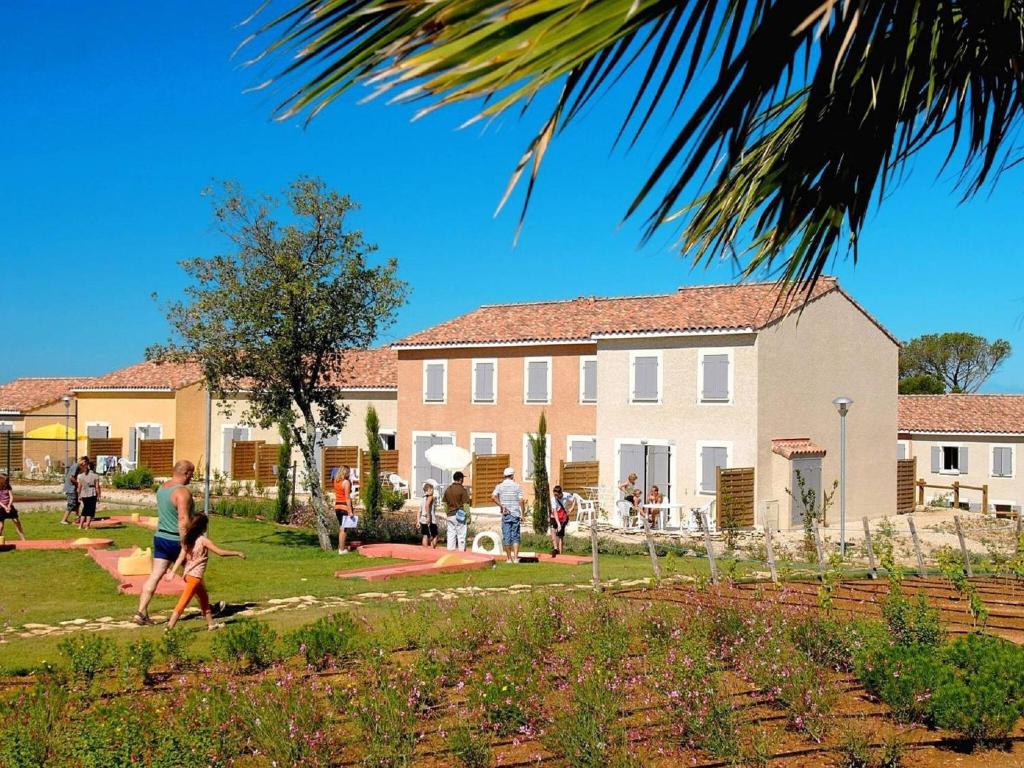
(140, 478)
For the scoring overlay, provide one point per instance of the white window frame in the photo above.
(415, 489)
(472, 392)
(942, 458)
(632, 377)
(97, 424)
(699, 466)
(906, 446)
(992, 463)
(587, 359)
(526, 453)
(444, 382)
(389, 431)
(474, 435)
(701, 352)
(580, 438)
(526, 379)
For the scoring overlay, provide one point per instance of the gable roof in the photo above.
(375, 368)
(734, 308)
(960, 414)
(31, 392)
(790, 447)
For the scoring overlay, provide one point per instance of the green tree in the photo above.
(275, 315)
(371, 483)
(284, 468)
(541, 492)
(961, 362)
(802, 115)
(921, 384)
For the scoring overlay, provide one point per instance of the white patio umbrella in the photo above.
(448, 458)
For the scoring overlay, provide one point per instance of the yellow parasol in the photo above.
(52, 432)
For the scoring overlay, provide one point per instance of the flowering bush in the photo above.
(469, 745)
(87, 654)
(248, 645)
(588, 732)
(134, 662)
(504, 694)
(328, 639)
(385, 712)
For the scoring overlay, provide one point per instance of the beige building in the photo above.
(37, 403)
(670, 387)
(969, 439)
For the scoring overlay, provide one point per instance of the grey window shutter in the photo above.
(8, 427)
(583, 450)
(96, 430)
(658, 460)
(631, 460)
(645, 378)
(901, 451)
(154, 433)
(716, 377)
(707, 469)
(963, 461)
(484, 382)
(590, 381)
(229, 438)
(1001, 461)
(537, 381)
(528, 468)
(483, 446)
(435, 382)
(131, 444)
(936, 459)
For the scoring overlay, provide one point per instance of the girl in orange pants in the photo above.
(195, 553)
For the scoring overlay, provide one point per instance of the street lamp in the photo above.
(842, 405)
(67, 417)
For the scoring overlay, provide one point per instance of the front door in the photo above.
(809, 470)
(422, 469)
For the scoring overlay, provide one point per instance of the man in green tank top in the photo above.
(174, 506)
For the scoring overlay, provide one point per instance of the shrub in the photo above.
(251, 508)
(248, 644)
(140, 478)
(134, 662)
(589, 732)
(904, 677)
(30, 727)
(836, 643)
(386, 718)
(392, 529)
(505, 696)
(808, 697)
(469, 745)
(392, 499)
(325, 640)
(911, 622)
(284, 720)
(87, 654)
(174, 648)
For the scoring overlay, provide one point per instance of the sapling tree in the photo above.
(275, 315)
(371, 483)
(541, 494)
(284, 467)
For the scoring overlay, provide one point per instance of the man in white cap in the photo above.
(509, 497)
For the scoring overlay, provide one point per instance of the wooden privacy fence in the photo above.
(955, 487)
(243, 459)
(486, 472)
(906, 474)
(12, 453)
(388, 462)
(734, 505)
(576, 476)
(103, 446)
(266, 462)
(338, 456)
(158, 455)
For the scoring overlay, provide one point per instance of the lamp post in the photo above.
(842, 405)
(67, 418)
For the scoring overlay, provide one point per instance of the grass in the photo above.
(49, 586)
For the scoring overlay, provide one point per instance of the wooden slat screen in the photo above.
(735, 501)
(243, 459)
(485, 474)
(15, 441)
(266, 460)
(338, 456)
(906, 475)
(388, 462)
(104, 446)
(577, 476)
(158, 455)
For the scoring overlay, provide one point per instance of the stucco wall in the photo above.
(509, 418)
(124, 410)
(680, 417)
(805, 361)
(1003, 490)
(190, 428)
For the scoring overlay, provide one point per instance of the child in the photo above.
(195, 552)
(89, 490)
(428, 516)
(7, 508)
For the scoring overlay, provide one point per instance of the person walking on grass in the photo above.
(195, 554)
(89, 490)
(71, 474)
(7, 509)
(342, 477)
(428, 516)
(508, 495)
(174, 507)
(456, 499)
(562, 507)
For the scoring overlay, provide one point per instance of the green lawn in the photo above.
(48, 586)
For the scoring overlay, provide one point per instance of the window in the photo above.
(901, 450)
(528, 456)
(230, 434)
(137, 434)
(715, 377)
(483, 443)
(6, 426)
(710, 456)
(651, 462)
(388, 439)
(581, 448)
(423, 470)
(588, 379)
(949, 459)
(645, 377)
(1002, 461)
(435, 381)
(98, 429)
(537, 380)
(484, 378)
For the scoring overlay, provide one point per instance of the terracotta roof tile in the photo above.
(147, 375)
(737, 307)
(29, 393)
(370, 368)
(961, 413)
(788, 447)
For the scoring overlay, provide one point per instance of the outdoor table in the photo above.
(664, 510)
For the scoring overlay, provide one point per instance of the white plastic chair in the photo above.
(31, 467)
(398, 484)
(48, 464)
(586, 513)
(125, 465)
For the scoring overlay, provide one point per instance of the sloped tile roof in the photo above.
(961, 413)
(711, 308)
(375, 368)
(32, 392)
(788, 447)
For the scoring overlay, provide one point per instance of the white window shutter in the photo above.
(936, 459)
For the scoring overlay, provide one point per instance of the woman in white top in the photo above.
(428, 516)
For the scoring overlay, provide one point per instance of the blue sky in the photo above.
(118, 114)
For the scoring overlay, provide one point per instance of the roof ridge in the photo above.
(570, 301)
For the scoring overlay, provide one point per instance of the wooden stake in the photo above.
(821, 550)
(593, 551)
(917, 545)
(920, 493)
(650, 545)
(1018, 529)
(710, 547)
(963, 547)
(873, 570)
(770, 553)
